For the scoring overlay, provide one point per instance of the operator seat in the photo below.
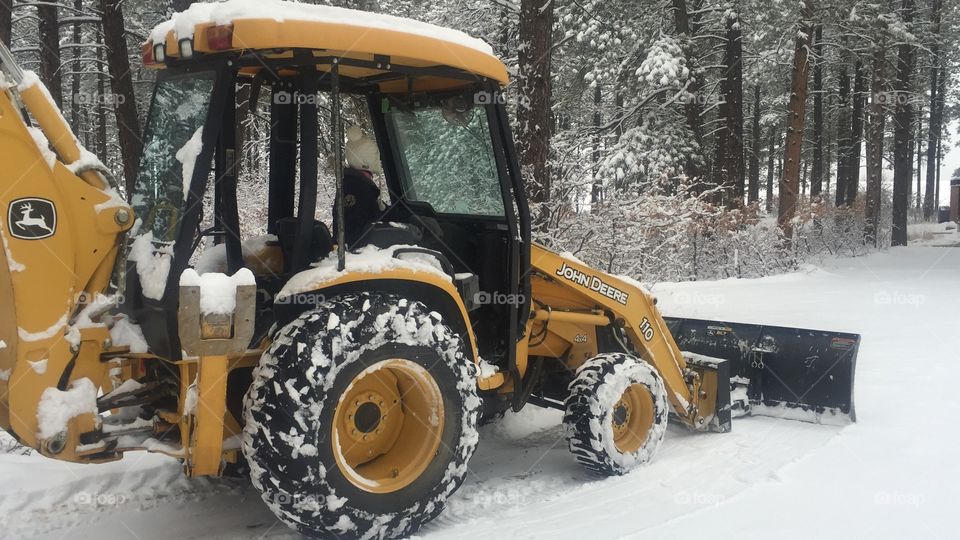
(361, 206)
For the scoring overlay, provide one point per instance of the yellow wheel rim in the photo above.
(387, 426)
(632, 418)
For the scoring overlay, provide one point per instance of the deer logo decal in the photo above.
(32, 219)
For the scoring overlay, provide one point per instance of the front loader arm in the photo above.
(566, 290)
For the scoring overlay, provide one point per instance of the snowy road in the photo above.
(893, 474)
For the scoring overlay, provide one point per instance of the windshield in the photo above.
(171, 146)
(446, 157)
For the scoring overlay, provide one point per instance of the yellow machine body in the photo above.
(50, 345)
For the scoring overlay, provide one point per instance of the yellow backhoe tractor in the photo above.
(347, 372)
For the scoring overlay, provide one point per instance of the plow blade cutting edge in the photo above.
(777, 371)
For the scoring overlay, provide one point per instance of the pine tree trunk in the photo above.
(828, 159)
(918, 139)
(730, 137)
(180, 5)
(102, 150)
(789, 182)
(941, 100)
(936, 115)
(856, 146)
(596, 189)
(50, 72)
(902, 144)
(75, 123)
(753, 194)
(533, 114)
(875, 148)
(816, 182)
(843, 132)
(6, 21)
(691, 107)
(124, 100)
(771, 158)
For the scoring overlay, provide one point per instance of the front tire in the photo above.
(616, 414)
(361, 418)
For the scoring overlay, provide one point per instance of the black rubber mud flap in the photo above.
(790, 373)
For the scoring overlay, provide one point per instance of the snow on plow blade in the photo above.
(776, 371)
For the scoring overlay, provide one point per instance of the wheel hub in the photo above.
(387, 426)
(632, 418)
(367, 417)
(621, 413)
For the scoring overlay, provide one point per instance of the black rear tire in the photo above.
(298, 388)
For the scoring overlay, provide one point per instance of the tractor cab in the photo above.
(286, 147)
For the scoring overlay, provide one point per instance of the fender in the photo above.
(433, 288)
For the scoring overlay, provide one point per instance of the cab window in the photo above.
(446, 157)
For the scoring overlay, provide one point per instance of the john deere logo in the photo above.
(32, 219)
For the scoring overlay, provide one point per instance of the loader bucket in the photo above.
(776, 371)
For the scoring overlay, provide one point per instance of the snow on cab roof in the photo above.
(277, 24)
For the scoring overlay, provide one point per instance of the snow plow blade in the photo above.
(776, 371)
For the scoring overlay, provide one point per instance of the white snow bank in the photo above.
(153, 265)
(183, 24)
(370, 260)
(57, 407)
(187, 155)
(218, 292)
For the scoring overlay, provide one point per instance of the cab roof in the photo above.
(372, 45)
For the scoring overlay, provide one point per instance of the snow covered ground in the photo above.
(891, 475)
